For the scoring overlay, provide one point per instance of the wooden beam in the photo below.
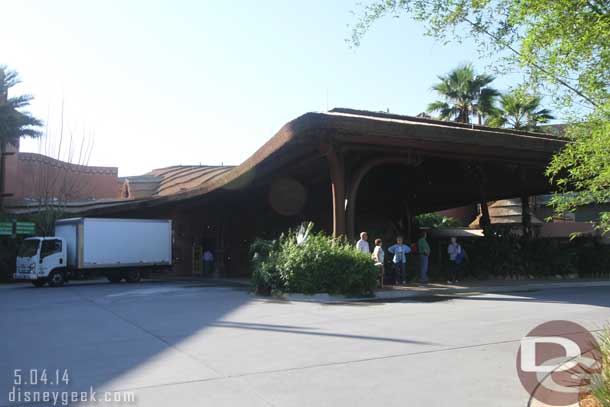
(526, 218)
(337, 178)
(485, 221)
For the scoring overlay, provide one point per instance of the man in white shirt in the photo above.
(362, 244)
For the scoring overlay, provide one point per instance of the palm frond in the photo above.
(521, 110)
(20, 101)
(445, 110)
(464, 94)
(8, 79)
(14, 123)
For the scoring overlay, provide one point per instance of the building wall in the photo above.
(590, 213)
(30, 175)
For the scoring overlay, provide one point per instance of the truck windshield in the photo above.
(28, 248)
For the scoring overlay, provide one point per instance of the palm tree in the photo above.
(466, 95)
(14, 124)
(520, 110)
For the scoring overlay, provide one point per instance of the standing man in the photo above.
(363, 244)
(208, 262)
(424, 254)
(400, 251)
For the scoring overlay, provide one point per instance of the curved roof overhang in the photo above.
(353, 129)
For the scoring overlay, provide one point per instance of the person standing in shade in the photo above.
(400, 251)
(363, 245)
(456, 258)
(208, 262)
(378, 257)
(423, 249)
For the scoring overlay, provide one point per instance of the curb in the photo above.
(408, 293)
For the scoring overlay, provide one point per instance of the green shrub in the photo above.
(593, 257)
(436, 221)
(305, 262)
(265, 276)
(601, 382)
(506, 255)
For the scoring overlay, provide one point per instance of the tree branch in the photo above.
(532, 64)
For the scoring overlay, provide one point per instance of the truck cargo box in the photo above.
(109, 243)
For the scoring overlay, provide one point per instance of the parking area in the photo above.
(193, 343)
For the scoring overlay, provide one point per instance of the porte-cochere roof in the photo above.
(305, 137)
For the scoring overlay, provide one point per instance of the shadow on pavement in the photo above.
(308, 331)
(130, 336)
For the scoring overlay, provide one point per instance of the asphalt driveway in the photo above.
(187, 344)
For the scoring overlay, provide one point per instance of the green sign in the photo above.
(6, 228)
(25, 228)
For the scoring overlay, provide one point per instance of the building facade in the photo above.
(345, 170)
(31, 177)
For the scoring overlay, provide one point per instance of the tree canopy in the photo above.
(466, 95)
(14, 123)
(563, 47)
(519, 110)
(564, 43)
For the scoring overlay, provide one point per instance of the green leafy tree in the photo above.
(14, 123)
(436, 221)
(581, 170)
(466, 95)
(520, 110)
(563, 48)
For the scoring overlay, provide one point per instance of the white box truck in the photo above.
(118, 248)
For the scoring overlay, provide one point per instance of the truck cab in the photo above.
(42, 260)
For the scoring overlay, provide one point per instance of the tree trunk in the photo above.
(2, 170)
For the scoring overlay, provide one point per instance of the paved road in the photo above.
(184, 344)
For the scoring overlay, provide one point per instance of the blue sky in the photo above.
(158, 83)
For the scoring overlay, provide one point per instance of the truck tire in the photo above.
(133, 276)
(57, 279)
(38, 283)
(114, 277)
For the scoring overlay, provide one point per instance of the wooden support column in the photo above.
(485, 221)
(337, 178)
(526, 218)
(409, 222)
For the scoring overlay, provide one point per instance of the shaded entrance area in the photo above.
(345, 170)
(393, 190)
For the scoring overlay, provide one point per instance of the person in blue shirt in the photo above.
(400, 251)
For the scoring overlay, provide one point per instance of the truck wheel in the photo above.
(38, 283)
(114, 278)
(133, 276)
(56, 279)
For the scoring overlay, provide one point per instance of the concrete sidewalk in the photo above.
(412, 291)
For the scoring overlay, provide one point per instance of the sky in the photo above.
(149, 84)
